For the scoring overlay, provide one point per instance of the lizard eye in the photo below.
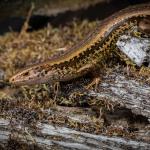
(25, 74)
(12, 79)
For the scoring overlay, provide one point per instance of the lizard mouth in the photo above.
(20, 82)
(13, 80)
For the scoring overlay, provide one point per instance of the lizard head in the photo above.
(33, 75)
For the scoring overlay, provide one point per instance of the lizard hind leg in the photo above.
(95, 82)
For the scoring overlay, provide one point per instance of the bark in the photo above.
(49, 137)
(137, 49)
(130, 93)
(44, 7)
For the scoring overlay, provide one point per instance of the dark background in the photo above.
(13, 12)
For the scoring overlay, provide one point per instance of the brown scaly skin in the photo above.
(86, 55)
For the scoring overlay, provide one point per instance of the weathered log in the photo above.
(49, 137)
(129, 93)
(137, 49)
(44, 7)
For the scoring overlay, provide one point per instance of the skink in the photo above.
(86, 55)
